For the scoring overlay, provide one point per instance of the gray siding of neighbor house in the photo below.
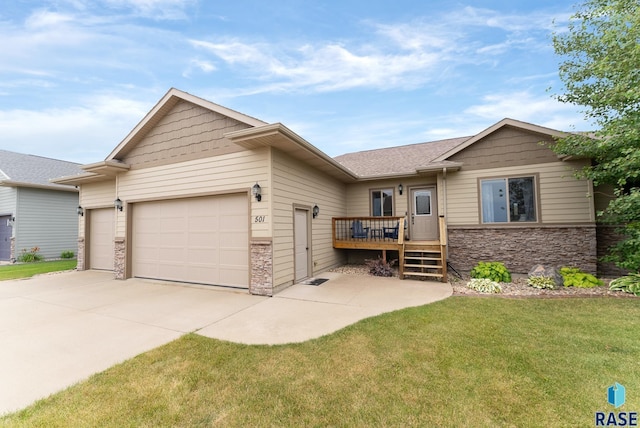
(7, 200)
(46, 219)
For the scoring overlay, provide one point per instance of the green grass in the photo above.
(27, 270)
(476, 362)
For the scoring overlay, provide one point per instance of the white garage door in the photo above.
(101, 233)
(200, 240)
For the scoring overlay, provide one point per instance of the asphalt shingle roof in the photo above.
(397, 160)
(35, 170)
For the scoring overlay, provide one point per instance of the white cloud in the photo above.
(522, 105)
(83, 134)
(156, 9)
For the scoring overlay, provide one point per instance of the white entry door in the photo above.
(301, 244)
(424, 214)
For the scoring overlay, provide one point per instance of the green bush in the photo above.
(542, 282)
(67, 254)
(30, 256)
(628, 284)
(574, 277)
(495, 271)
(484, 285)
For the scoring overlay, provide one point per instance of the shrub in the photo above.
(542, 282)
(67, 254)
(30, 256)
(495, 271)
(628, 284)
(574, 277)
(484, 285)
(380, 267)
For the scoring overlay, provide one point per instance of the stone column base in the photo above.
(119, 262)
(12, 252)
(261, 282)
(80, 258)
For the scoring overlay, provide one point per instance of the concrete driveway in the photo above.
(56, 330)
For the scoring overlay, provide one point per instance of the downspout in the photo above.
(444, 191)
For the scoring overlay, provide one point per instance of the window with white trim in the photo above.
(508, 200)
(382, 202)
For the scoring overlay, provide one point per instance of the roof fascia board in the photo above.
(504, 122)
(279, 128)
(76, 180)
(172, 96)
(108, 167)
(55, 186)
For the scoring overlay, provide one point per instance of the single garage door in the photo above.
(101, 233)
(200, 240)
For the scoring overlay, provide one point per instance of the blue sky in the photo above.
(77, 75)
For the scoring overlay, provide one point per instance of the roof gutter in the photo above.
(55, 186)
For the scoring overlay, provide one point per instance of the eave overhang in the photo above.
(63, 187)
(96, 172)
(280, 137)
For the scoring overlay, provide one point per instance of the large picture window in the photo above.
(382, 202)
(508, 200)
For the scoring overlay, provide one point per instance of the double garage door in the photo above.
(200, 240)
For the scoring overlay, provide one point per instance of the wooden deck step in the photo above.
(423, 260)
(424, 274)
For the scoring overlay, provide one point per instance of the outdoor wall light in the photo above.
(118, 204)
(80, 211)
(400, 188)
(256, 191)
(316, 211)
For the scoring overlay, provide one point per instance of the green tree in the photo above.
(600, 70)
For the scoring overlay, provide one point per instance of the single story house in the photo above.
(33, 211)
(200, 193)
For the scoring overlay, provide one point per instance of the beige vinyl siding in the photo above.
(358, 195)
(186, 132)
(234, 172)
(563, 199)
(46, 219)
(299, 184)
(96, 195)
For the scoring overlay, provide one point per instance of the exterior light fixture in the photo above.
(256, 191)
(400, 188)
(80, 211)
(316, 211)
(118, 204)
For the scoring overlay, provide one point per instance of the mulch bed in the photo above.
(516, 289)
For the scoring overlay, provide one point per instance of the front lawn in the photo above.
(464, 361)
(27, 270)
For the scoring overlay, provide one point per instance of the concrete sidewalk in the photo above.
(58, 329)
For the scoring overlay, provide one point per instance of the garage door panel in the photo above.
(197, 240)
(101, 238)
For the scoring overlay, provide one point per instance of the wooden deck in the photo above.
(424, 259)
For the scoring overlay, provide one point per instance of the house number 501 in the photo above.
(260, 219)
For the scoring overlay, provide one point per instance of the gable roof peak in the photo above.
(163, 106)
(501, 124)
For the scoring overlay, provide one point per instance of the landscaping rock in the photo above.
(547, 272)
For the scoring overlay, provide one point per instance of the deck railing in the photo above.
(368, 232)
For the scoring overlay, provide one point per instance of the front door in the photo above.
(301, 244)
(424, 214)
(5, 237)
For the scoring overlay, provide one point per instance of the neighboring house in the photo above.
(205, 194)
(33, 211)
